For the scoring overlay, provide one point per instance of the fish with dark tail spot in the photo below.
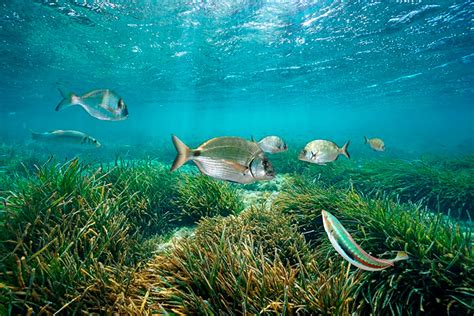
(226, 158)
(102, 104)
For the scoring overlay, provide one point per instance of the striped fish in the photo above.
(350, 250)
(226, 158)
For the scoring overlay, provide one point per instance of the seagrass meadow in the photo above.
(82, 236)
(289, 110)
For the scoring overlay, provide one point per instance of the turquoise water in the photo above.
(339, 70)
(102, 230)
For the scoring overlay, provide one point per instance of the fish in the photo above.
(232, 159)
(103, 104)
(323, 151)
(342, 241)
(67, 137)
(272, 144)
(376, 143)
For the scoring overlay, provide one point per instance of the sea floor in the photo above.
(130, 237)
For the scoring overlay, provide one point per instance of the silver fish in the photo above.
(323, 151)
(272, 144)
(67, 137)
(101, 104)
(226, 158)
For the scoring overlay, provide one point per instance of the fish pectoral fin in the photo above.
(105, 98)
(236, 166)
(200, 168)
(107, 107)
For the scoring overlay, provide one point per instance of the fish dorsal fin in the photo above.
(236, 166)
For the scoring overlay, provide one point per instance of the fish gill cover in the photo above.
(102, 229)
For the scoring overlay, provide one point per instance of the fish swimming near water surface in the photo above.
(322, 151)
(272, 144)
(227, 158)
(67, 137)
(350, 250)
(375, 143)
(101, 104)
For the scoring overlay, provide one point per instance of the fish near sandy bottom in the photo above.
(342, 241)
(67, 137)
(102, 104)
(322, 151)
(272, 144)
(376, 144)
(226, 158)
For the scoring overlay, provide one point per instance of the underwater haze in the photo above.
(400, 70)
(236, 157)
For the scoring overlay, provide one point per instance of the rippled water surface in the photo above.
(336, 69)
(109, 229)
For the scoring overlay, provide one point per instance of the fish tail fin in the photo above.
(344, 150)
(68, 100)
(366, 139)
(184, 153)
(34, 135)
(401, 255)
